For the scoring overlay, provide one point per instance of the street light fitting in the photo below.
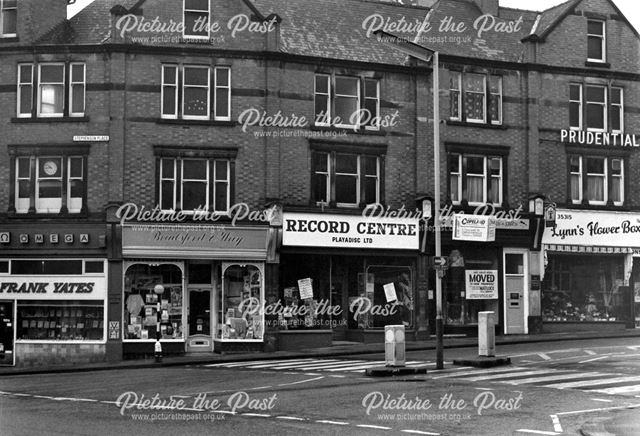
(405, 46)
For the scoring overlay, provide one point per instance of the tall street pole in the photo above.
(436, 181)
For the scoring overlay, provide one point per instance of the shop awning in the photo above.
(587, 249)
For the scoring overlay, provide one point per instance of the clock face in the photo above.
(50, 168)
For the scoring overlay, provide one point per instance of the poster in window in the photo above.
(306, 288)
(481, 284)
(390, 292)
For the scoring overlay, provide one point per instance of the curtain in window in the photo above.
(595, 186)
(475, 189)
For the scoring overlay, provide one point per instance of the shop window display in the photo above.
(145, 308)
(395, 312)
(583, 288)
(239, 303)
(60, 320)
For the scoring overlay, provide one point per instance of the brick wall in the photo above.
(52, 354)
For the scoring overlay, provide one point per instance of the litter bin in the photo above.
(394, 345)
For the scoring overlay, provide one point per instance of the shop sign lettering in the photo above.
(44, 288)
(599, 138)
(594, 228)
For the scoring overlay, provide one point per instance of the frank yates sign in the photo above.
(53, 288)
(340, 231)
(482, 284)
(599, 138)
(592, 228)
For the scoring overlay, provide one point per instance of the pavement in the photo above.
(337, 349)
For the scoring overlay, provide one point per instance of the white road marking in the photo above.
(258, 388)
(618, 390)
(604, 409)
(544, 356)
(377, 427)
(326, 364)
(590, 352)
(287, 365)
(291, 418)
(480, 371)
(593, 359)
(301, 381)
(258, 415)
(555, 377)
(556, 423)
(249, 362)
(602, 399)
(420, 432)
(312, 373)
(586, 383)
(503, 375)
(536, 432)
(324, 421)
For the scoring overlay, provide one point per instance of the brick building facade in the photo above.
(120, 110)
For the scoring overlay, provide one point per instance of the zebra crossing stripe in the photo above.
(507, 375)
(587, 383)
(480, 371)
(555, 377)
(326, 364)
(618, 390)
(252, 362)
(284, 365)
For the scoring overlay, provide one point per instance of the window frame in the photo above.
(71, 178)
(579, 173)
(39, 112)
(375, 116)
(20, 86)
(163, 85)
(460, 81)
(604, 105)
(326, 121)
(458, 117)
(580, 104)
(4, 8)
(607, 176)
(604, 176)
(482, 120)
(216, 180)
(221, 87)
(361, 97)
(208, 93)
(497, 122)
(206, 182)
(603, 40)
(83, 83)
(620, 106)
(208, 24)
(487, 177)
(357, 97)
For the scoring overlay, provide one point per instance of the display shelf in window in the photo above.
(46, 320)
(240, 314)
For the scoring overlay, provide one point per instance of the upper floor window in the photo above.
(596, 180)
(602, 110)
(344, 101)
(475, 98)
(196, 19)
(596, 41)
(477, 179)
(346, 179)
(8, 18)
(47, 91)
(187, 93)
(49, 184)
(195, 185)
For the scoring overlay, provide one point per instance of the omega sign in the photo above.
(599, 138)
(326, 230)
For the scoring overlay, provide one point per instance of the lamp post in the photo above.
(158, 290)
(429, 56)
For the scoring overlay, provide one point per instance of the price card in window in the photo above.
(390, 292)
(306, 289)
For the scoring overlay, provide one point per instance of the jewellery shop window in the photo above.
(239, 304)
(61, 320)
(584, 288)
(153, 302)
(386, 298)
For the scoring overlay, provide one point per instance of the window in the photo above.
(346, 179)
(195, 91)
(596, 180)
(475, 98)
(195, 184)
(52, 98)
(603, 108)
(596, 41)
(71, 320)
(347, 102)
(475, 178)
(196, 19)
(49, 184)
(8, 18)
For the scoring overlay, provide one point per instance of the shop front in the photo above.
(53, 294)
(345, 277)
(485, 274)
(590, 271)
(190, 286)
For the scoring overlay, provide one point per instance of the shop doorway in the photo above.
(7, 333)
(515, 295)
(199, 320)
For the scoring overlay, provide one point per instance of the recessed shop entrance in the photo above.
(199, 304)
(7, 333)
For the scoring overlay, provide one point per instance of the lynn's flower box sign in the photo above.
(474, 228)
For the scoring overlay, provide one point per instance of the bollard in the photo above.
(394, 345)
(158, 351)
(486, 334)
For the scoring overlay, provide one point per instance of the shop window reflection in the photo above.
(239, 303)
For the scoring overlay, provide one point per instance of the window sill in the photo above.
(8, 39)
(357, 131)
(480, 125)
(326, 209)
(182, 122)
(34, 215)
(609, 207)
(597, 64)
(40, 120)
